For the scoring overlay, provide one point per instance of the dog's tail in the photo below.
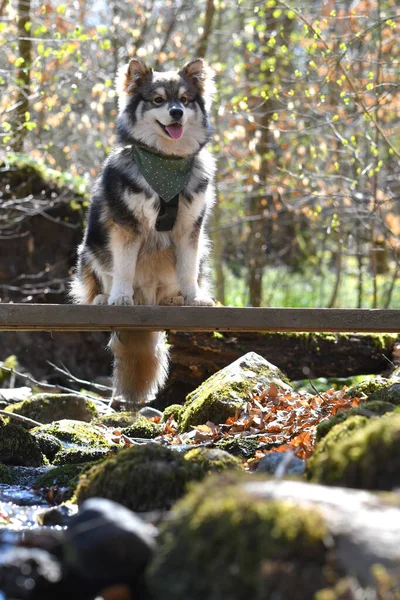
(140, 364)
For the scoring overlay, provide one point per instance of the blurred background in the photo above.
(306, 131)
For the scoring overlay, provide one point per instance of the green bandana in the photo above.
(166, 176)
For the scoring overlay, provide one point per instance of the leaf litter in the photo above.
(279, 420)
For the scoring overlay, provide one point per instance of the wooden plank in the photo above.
(63, 317)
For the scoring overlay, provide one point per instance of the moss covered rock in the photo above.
(148, 477)
(173, 409)
(76, 432)
(116, 419)
(65, 476)
(367, 409)
(47, 408)
(359, 453)
(18, 447)
(6, 477)
(73, 456)
(142, 428)
(212, 460)
(49, 445)
(379, 388)
(244, 447)
(224, 544)
(224, 392)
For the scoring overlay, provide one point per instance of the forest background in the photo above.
(306, 131)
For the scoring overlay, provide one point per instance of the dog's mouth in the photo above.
(174, 130)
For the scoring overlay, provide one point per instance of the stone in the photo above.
(222, 394)
(286, 462)
(46, 408)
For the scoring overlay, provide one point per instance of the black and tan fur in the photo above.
(123, 259)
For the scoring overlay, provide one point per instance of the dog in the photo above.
(145, 241)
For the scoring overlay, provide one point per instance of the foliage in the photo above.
(305, 125)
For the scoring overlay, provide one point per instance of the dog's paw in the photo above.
(199, 301)
(120, 301)
(100, 300)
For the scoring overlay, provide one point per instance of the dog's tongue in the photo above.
(175, 130)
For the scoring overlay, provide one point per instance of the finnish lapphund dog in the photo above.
(144, 242)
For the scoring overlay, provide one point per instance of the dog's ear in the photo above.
(132, 76)
(202, 77)
(197, 72)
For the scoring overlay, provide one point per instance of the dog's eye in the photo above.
(158, 100)
(184, 100)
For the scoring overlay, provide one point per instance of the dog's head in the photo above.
(165, 111)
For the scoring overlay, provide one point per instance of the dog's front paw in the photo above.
(120, 300)
(100, 300)
(199, 301)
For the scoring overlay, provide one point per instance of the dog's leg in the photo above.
(125, 250)
(187, 271)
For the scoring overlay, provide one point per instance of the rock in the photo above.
(213, 460)
(150, 413)
(28, 573)
(286, 462)
(46, 408)
(116, 419)
(173, 409)
(379, 388)
(56, 515)
(6, 477)
(18, 447)
(247, 547)
(142, 428)
(108, 545)
(148, 477)
(224, 392)
(73, 456)
(368, 409)
(64, 478)
(240, 445)
(75, 432)
(49, 445)
(15, 394)
(360, 453)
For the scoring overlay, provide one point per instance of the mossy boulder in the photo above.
(65, 476)
(360, 453)
(116, 419)
(379, 388)
(19, 447)
(75, 432)
(244, 447)
(73, 456)
(49, 445)
(147, 477)
(371, 408)
(46, 408)
(142, 428)
(213, 460)
(10, 363)
(173, 409)
(222, 543)
(226, 391)
(6, 477)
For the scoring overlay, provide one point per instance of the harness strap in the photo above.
(167, 214)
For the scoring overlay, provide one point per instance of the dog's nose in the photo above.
(176, 113)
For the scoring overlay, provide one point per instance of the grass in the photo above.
(285, 288)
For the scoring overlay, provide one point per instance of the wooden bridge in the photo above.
(65, 317)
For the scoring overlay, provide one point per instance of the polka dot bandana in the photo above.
(165, 175)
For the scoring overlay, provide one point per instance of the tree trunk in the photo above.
(196, 356)
(23, 76)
